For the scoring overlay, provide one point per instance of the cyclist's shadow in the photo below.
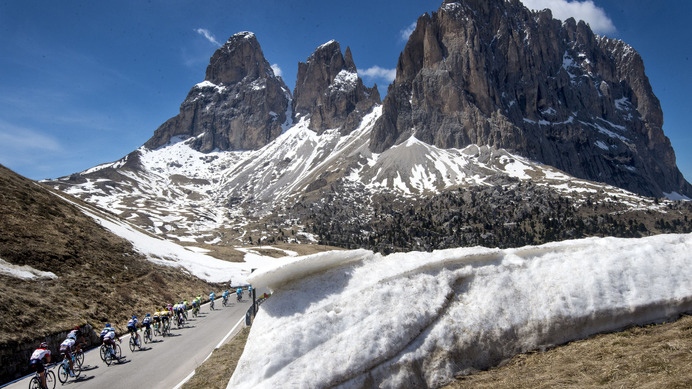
(84, 378)
(89, 367)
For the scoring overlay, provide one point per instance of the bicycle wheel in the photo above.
(103, 351)
(35, 383)
(147, 336)
(132, 344)
(79, 358)
(50, 379)
(63, 373)
(76, 369)
(118, 352)
(109, 358)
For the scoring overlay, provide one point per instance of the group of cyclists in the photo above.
(161, 321)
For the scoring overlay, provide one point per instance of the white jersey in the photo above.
(109, 335)
(73, 334)
(67, 343)
(39, 353)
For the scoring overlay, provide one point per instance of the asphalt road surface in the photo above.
(165, 362)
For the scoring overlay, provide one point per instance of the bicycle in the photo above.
(112, 352)
(79, 357)
(225, 300)
(157, 329)
(134, 343)
(35, 382)
(64, 369)
(146, 335)
(195, 309)
(180, 321)
(240, 296)
(211, 305)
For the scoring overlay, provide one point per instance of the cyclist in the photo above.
(165, 319)
(78, 337)
(211, 299)
(37, 363)
(132, 325)
(146, 322)
(249, 291)
(108, 337)
(184, 309)
(225, 296)
(66, 351)
(157, 318)
(239, 293)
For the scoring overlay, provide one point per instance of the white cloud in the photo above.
(406, 32)
(580, 10)
(376, 72)
(208, 35)
(23, 139)
(277, 70)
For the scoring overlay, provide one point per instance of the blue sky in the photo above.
(87, 82)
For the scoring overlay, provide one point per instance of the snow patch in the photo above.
(23, 272)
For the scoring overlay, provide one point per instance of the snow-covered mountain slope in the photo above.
(418, 319)
(179, 192)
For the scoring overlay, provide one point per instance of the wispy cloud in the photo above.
(376, 72)
(580, 10)
(405, 33)
(24, 139)
(277, 70)
(208, 36)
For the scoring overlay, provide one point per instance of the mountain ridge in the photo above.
(439, 128)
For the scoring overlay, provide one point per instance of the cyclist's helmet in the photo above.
(43, 345)
(108, 325)
(148, 314)
(76, 328)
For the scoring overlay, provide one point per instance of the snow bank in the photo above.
(416, 319)
(23, 272)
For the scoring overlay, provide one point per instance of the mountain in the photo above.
(240, 105)
(504, 126)
(495, 73)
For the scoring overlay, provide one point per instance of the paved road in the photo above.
(165, 362)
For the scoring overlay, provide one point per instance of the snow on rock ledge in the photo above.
(415, 319)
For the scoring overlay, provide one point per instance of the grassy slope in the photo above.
(100, 277)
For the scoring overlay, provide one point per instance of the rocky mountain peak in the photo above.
(329, 91)
(240, 57)
(492, 72)
(240, 105)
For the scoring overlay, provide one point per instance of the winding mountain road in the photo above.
(166, 362)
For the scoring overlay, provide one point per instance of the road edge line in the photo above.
(208, 356)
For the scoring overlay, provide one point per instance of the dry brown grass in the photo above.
(217, 370)
(655, 356)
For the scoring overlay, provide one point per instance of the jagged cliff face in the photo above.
(494, 73)
(241, 105)
(329, 91)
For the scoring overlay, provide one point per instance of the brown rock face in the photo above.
(491, 72)
(241, 105)
(329, 91)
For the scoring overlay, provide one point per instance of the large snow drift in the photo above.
(358, 319)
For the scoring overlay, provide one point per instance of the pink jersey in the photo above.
(40, 353)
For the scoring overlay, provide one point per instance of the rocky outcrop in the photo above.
(491, 72)
(240, 105)
(329, 91)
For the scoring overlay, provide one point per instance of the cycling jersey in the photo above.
(39, 354)
(67, 344)
(132, 323)
(74, 334)
(110, 335)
